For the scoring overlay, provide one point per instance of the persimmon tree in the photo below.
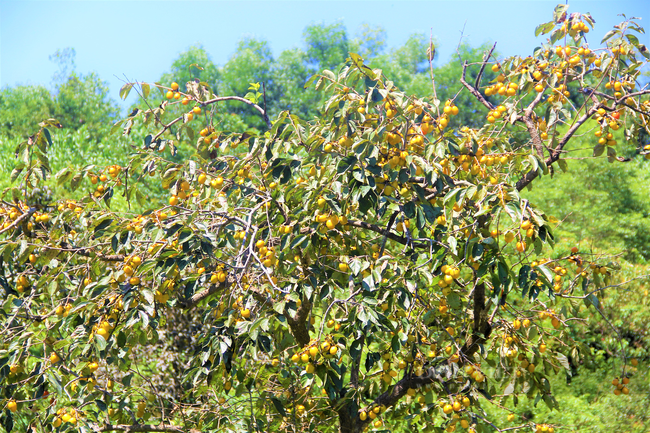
(368, 268)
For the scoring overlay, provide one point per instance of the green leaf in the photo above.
(329, 74)
(278, 307)
(559, 12)
(311, 80)
(533, 163)
(300, 242)
(453, 244)
(124, 91)
(116, 126)
(146, 89)
(101, 405)
(278, 406)
(564, 361)
(542, 29)
(592, 299)
(76, 181)
(100, 342)
(608, 35)
(546, 273)
(599, 149)
(611, 154)
(556, 35)
(47, 135)
(16, 172)
(454, 300)
(63, 176)
(644, 51)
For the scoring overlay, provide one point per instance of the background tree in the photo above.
(20, 105)
(370, 42)
(327, 46)
(193, 64)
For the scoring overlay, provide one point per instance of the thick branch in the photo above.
(298, 324)
(481, 328)
(199, 296)
(557, 151)
(534, 135)
(356, 362)
(473, 90)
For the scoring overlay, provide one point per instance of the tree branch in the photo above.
(212, 101)
(534, 135)
(485, 60)
(132, 428)
(481, 328)
(478, 95)
(356, 362)
(382, 231)
(19, 220)
(298, 324)
(199, 296)
(557, 151)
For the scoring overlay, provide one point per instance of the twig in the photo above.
(212, 101)
(483, 63)
(132, 428)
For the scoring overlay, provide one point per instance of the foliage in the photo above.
(407, 66)
(290, 73)
(83, 100)
(327, 46)
(193, 64)
(77, 100)
(371, 41)
(600, 206)
(19, 106)
(370, 266)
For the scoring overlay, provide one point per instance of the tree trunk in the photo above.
(348, 422)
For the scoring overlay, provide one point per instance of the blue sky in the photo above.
(140, 39)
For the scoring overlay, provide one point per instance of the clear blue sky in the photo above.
(140, 39)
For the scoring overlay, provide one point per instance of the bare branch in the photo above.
(485, 60)
(556, 152)
(132, 428)
(474, 91)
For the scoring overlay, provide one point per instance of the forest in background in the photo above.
(615, 195)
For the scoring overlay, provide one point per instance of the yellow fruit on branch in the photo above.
(12, 405)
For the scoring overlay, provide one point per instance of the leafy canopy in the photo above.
(371, 266)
